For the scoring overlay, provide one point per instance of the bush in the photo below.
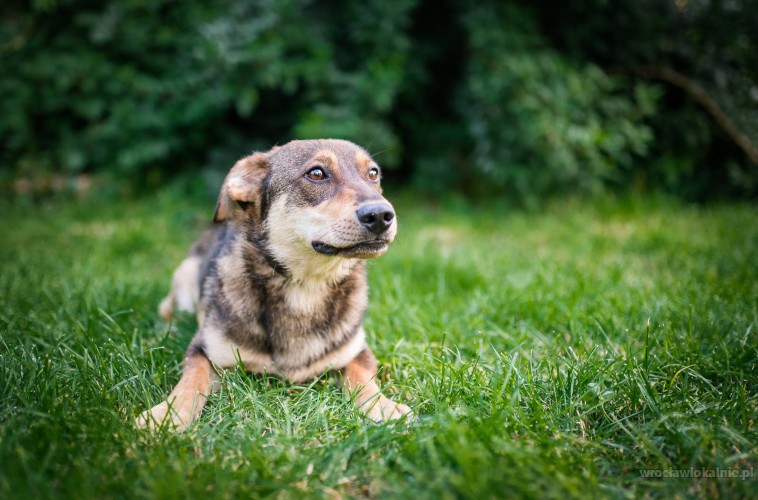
(539, 122)
(139, 88)
(712, 46)
(508, 99)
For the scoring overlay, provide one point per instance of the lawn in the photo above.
(587, 349)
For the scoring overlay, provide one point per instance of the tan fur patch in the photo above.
(326, 157)
(186, 401)
(290, 235)
(363, 161)
(359, 378)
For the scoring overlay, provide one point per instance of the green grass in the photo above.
(552, 354)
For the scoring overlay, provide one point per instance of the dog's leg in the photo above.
(185, 288)
(359, 379)
(186, 401)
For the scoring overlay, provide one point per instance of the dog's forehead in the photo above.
(295, 154)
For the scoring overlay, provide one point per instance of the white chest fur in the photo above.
(226, 354)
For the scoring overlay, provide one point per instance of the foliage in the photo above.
(540, 122)
(516, 99)
(138, 87)
(612, 339)
(713, 43)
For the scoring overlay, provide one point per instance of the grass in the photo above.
(561, 354)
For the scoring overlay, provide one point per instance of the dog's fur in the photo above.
(279, 283)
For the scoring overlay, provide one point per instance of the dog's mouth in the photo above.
(363, 250)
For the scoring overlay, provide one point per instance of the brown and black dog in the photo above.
(279, 283)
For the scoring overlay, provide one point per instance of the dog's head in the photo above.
(311, 198)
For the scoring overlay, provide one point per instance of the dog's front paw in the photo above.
(383, 409)
(162, 415)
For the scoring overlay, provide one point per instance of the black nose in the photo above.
(376, 217)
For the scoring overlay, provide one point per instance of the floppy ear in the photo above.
(242, 185)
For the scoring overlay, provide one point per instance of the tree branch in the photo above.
(701, 96)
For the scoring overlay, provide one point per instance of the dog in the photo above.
(279, 282)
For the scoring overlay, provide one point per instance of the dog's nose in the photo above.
(376, 217)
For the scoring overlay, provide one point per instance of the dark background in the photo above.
(514, 100)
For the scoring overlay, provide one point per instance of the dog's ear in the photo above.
(241, 186)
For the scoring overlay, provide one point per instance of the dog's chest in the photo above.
(307, 321)
(305, 299)
(285, 327)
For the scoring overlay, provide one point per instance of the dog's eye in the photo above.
(316, 174)
(373, 174)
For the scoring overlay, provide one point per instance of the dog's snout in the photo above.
(376, 217)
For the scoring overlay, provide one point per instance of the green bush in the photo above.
(540, 122)
(712, 45)
(509, 99)
(138, 88)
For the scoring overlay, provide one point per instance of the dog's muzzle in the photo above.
(376, 219)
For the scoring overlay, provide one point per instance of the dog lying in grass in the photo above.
(279, 283)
